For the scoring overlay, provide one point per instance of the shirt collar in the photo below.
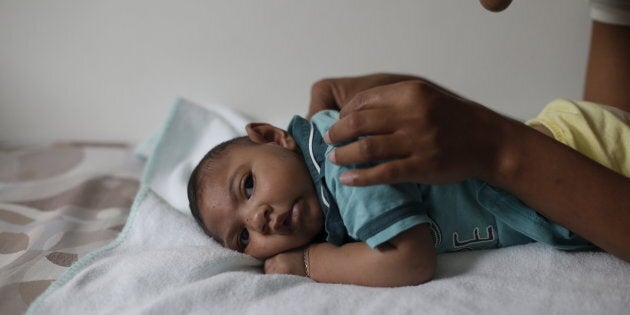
(311, 144)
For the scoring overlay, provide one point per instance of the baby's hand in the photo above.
(290, 263)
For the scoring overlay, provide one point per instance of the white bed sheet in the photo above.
(162, 263)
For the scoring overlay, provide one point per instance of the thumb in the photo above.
(322, 97)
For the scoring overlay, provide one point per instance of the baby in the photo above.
(274, 195)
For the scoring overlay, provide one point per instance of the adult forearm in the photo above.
(608, 71)
(564, 186)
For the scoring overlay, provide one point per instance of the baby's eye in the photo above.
(243, 239)
(249, 186)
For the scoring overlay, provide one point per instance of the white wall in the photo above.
(110, 70)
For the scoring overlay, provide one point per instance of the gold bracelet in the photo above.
(306, 262)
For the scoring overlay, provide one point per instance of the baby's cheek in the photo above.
(262, 248)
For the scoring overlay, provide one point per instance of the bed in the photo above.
(57, 203)
(160, 262)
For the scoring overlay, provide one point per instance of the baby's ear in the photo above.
(262, 133)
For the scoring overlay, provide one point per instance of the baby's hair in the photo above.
(198, 174)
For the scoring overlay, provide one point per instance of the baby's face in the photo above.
(259, 199)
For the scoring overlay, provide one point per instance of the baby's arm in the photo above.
(407, 259)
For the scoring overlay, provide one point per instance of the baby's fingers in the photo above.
(271, 267)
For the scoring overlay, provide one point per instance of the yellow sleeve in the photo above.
(600, 132)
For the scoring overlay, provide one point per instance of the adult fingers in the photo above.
(370, 98)
(396, 171)
(362, 123)
(412, 92)
(373, 148)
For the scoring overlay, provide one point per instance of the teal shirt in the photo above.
(462, 216)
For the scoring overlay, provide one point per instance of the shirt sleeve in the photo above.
(611, 11)
(375, 214)
(599, 132)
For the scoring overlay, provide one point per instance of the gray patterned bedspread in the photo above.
(58, 203)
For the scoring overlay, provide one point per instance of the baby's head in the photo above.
(254, 194)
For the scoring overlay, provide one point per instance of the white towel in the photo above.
(162, 263)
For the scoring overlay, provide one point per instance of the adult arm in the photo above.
(608, 71)
(566, 187)
(430, 135)
(407, 259)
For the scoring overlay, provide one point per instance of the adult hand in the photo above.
(425, 133)
(335, 93)
(289, 263)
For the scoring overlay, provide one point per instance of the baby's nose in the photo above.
(259, 220)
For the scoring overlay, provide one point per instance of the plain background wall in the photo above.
(110, 70)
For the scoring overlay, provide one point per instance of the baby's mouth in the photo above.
(285, 222)
(286, 219)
